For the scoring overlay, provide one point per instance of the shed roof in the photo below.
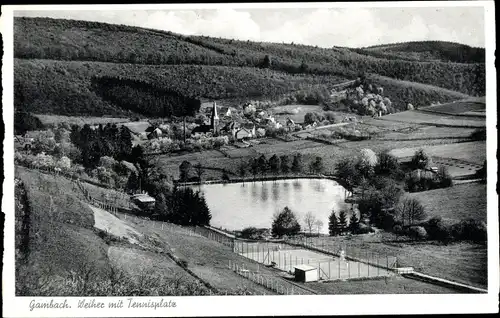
(305, 267)
(143, 198)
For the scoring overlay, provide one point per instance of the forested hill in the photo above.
(427, 51)
(60, 63)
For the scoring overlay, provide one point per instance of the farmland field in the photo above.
(474, 152)
(418, 117)
(295, 112)
(457, 107)
(462, 201)
(53, 120)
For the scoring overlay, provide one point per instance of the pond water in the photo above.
(235, 206)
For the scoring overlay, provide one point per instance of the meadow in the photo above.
(462, 201)
(420, 117)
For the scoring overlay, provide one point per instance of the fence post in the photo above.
(358, 269)
(339, 268)
(329, 274)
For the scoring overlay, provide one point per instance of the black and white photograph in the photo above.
(161, 159)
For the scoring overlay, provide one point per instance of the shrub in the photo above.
(397, 229)
(365, 228)
(469, 230)
(420, 160)
(437, 230)
(417, 232)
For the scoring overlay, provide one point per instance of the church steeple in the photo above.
(215, 119)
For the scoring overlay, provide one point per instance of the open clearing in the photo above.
(458, 202)
(136, 263)
(419, 117)
(111, 224)
(472, 152)
(458, 107)
(294, 112)
(53, 120)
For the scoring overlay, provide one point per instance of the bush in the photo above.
(365, 228)
(437, 230)
(398, 229)
(417, 232)
(469, 230)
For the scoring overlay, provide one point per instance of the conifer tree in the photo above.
(333, 224)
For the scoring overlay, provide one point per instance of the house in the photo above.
(139, 128)
(156, 133)
(143, 201)
(290, 124)
(243, 133)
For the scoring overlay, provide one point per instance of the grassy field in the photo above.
(419, 117)
(54, 120)
(458, 202)
(294, 112)
(474, 152)
(389, 285)
(458, 107)
(207, 259)
(461, 262)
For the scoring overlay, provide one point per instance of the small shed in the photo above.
(144, 201)
(306, 273)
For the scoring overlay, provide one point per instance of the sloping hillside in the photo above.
(428, 51)
(66, 67)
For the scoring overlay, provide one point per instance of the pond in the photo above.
(235, 206)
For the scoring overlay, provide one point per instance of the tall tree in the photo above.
(254, 167)
(342, 221)
(353, 223)
(242, 171)
(333, 224)
(274, 164)
(285, 223)
(199, 170)
(184, 170)
(263, 165)
(297, 164)
(285, 164)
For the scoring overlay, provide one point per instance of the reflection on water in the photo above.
(317, 185)
(275, 191)
(297, 184)
(263, 192)
(235, 206)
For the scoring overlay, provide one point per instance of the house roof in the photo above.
(137, 127)
(143, 198)
(305, 267)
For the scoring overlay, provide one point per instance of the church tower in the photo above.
(215, 120)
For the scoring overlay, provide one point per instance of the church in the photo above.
(213, 127)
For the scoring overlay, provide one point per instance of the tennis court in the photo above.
(285, 257)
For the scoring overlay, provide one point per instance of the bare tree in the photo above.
(410, 210)
(309, 220)
(319, 225)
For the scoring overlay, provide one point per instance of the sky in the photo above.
(324, 27)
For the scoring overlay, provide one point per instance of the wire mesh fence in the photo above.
(277, 285)
(349, 251)
(329, 267)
